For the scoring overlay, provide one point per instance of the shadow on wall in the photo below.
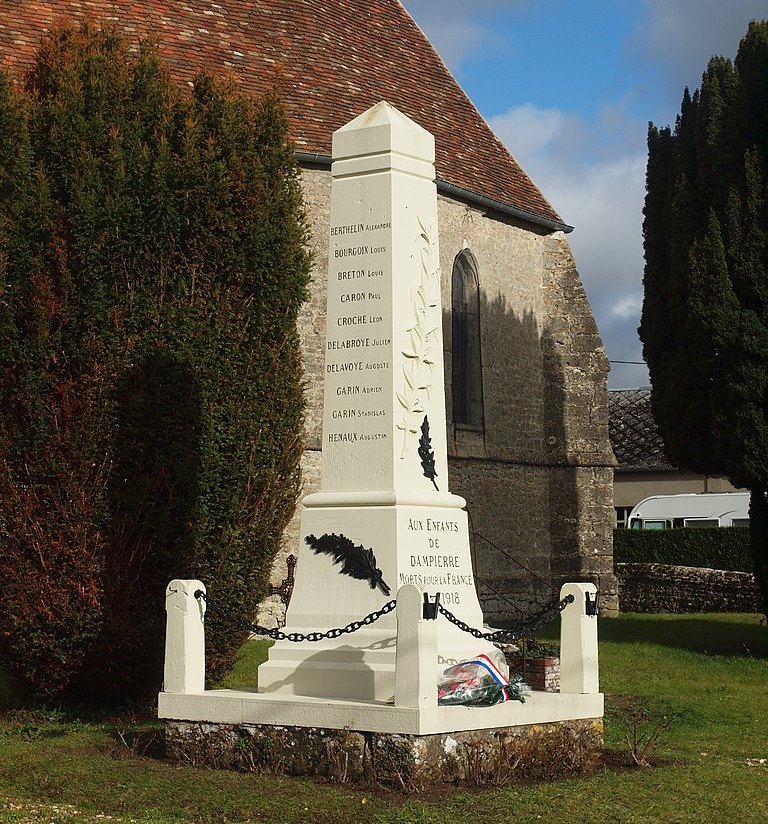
(518, 476)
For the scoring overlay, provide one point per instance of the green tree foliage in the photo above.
(152, 265)
(705, 316)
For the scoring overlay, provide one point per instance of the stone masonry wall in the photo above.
(581, 521)
(576, 438)
(409, 763)
(654, 588)
(538, 479)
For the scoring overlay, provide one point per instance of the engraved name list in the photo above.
(358, 356)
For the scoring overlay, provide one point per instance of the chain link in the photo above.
(507, 635)
(278, 635)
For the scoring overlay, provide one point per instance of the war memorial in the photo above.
(353, 678)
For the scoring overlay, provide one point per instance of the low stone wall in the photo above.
(408, 762)
(653, 588)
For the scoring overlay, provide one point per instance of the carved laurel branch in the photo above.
(419, 358)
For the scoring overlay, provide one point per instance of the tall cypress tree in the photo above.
(704, 325)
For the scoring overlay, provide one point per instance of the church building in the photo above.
(525, 369)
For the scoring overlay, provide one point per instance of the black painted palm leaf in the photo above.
(426, 453)
(357, 561)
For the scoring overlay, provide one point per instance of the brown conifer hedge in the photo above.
(152, 264)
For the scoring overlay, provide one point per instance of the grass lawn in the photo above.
(708, 673)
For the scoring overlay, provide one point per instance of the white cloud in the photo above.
(459, 29)
(527, 130)
(455, 40)
(627, 308)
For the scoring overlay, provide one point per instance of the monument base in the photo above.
(410, 740)
(425, 546)
(547, 737)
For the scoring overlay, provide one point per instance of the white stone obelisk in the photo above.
(384, 482)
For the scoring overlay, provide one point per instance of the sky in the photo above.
(570, 86)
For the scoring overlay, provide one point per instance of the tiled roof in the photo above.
(335, 58)
(634, 435)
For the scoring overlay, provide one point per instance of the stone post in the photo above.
(184, 638)
(416, 657)
(578, 642)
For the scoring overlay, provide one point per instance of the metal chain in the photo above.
(279, 635)
(505, 635)
(498, 636)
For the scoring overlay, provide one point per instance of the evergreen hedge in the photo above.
(722, 548)
(152, 264)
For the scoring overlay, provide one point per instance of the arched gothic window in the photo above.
(467, 382)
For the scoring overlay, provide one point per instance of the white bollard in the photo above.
(184, 638)
(578, 642)
(416, 653)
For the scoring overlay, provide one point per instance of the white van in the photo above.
(703, 509)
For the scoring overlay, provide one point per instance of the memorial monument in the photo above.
(364, 704)
(384, 516)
